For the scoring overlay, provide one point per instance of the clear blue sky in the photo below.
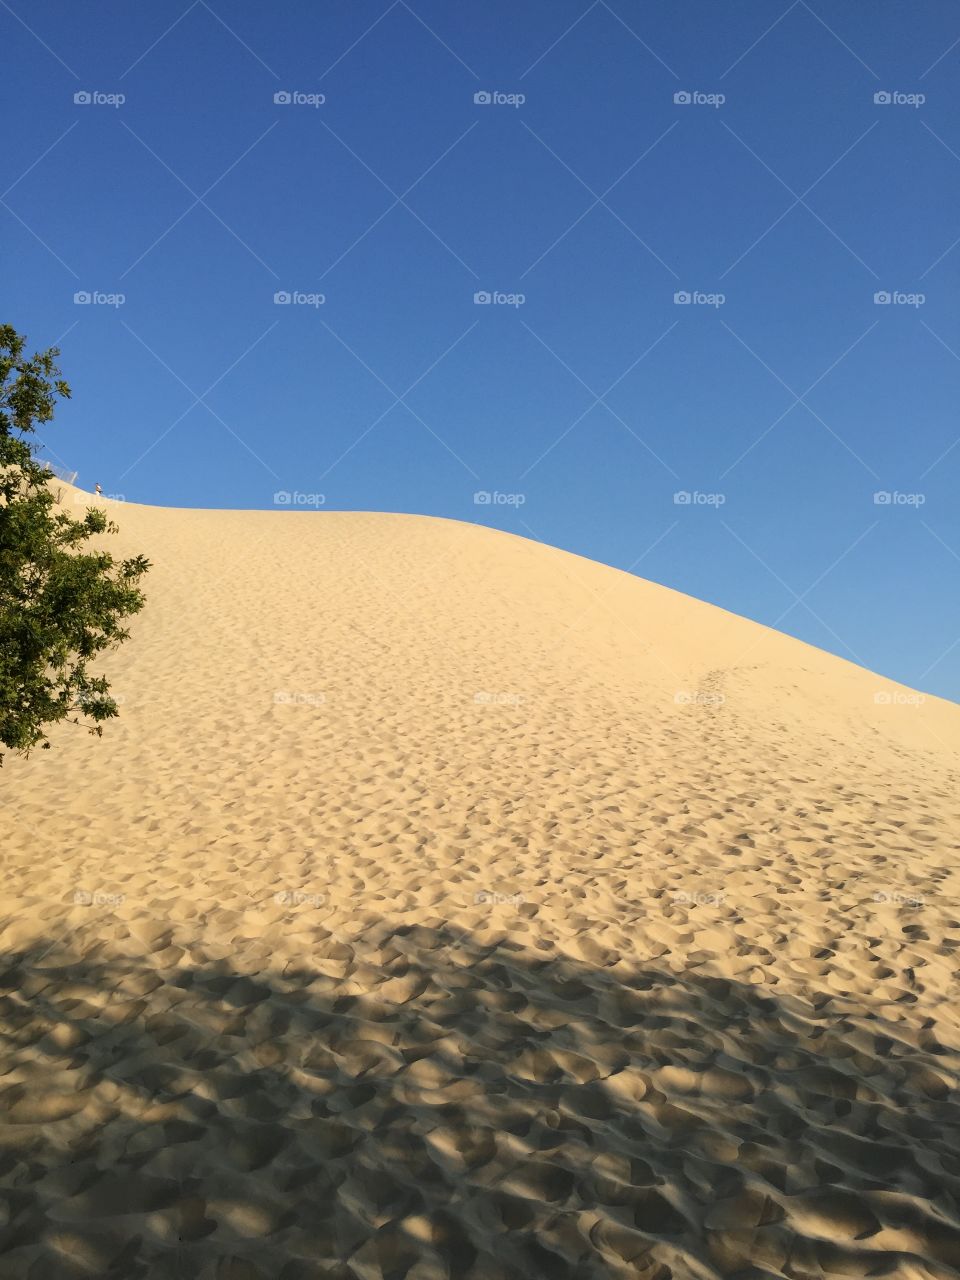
(598, 198)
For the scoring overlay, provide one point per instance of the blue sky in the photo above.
(584, 398)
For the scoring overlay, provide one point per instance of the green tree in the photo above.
(62, 602)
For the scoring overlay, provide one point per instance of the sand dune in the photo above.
(446, 905)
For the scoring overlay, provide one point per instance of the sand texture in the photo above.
(444, 905)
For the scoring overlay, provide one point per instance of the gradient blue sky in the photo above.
(599, 198)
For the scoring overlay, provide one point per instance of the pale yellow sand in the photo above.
(446, 905)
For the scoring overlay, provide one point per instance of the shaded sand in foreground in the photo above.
(445, 905)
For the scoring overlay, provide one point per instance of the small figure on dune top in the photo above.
(97, 489)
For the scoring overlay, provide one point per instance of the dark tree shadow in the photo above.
(433, 1107)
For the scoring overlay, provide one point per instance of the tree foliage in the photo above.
(63, 599)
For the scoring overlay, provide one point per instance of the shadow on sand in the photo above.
(426, 1106)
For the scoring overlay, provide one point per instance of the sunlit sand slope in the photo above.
(446, 905)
